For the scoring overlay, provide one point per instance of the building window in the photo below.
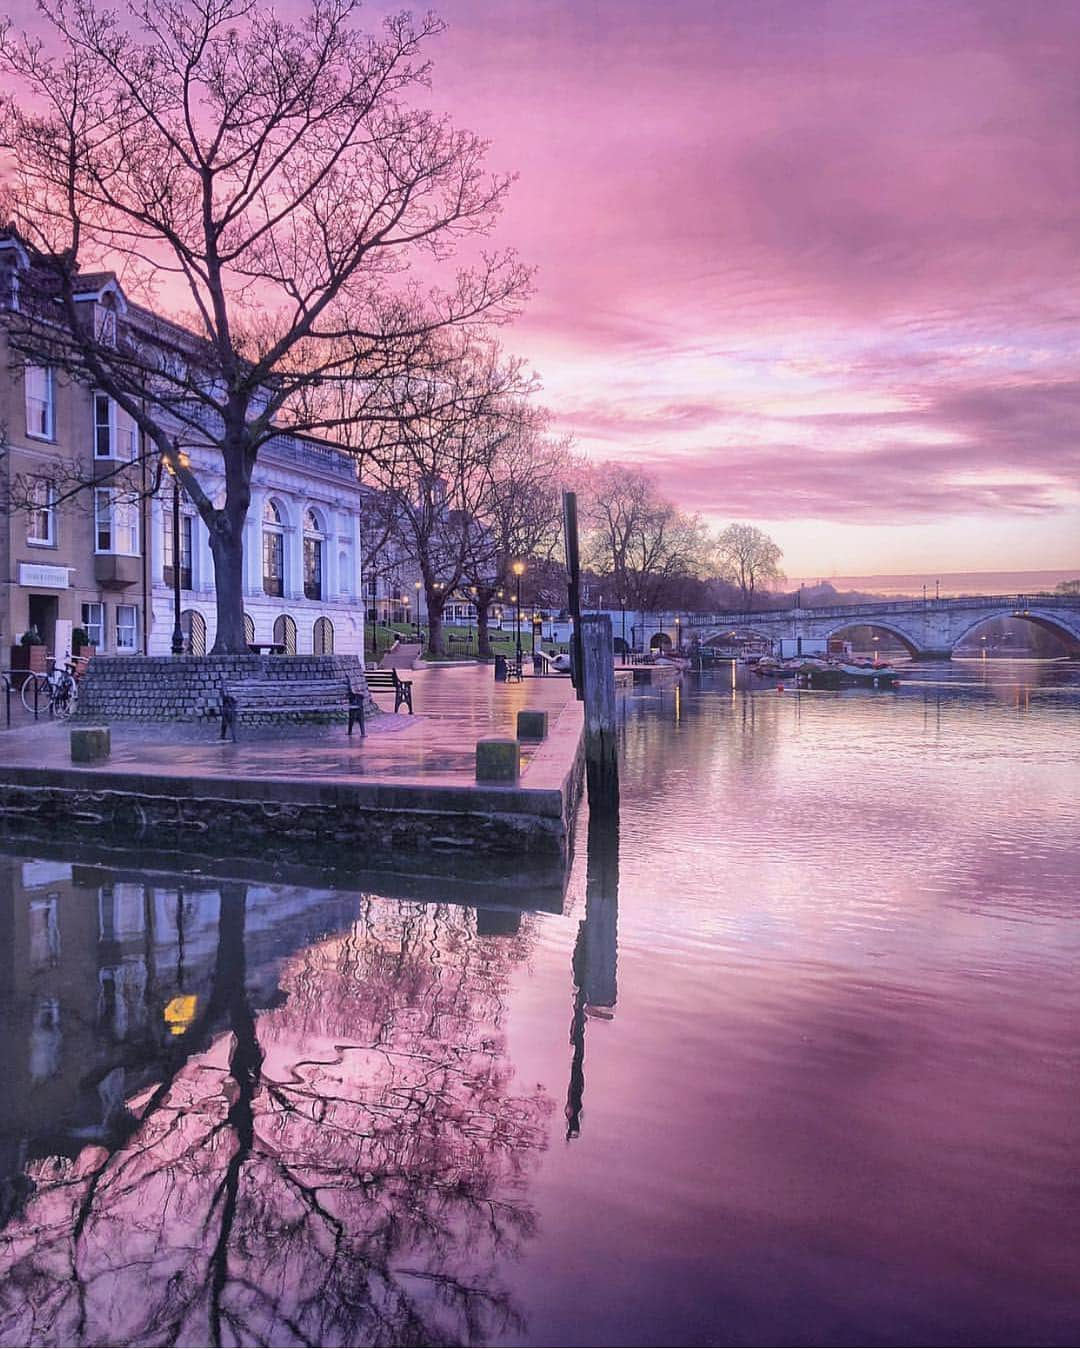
(44, 927)
(40, 402)
(93, 621)
(127, 627)
(323, 637)
(116, 523)
(249, 629)
(105, 324)
(193, 626)
(186, 538)
(41, 514)
(273, 550)
(115, 434)
(313, 556)
(285, 633)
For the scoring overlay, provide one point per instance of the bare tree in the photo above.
(749, 559)
(520, 511)
(638, 542)
(432, 456)
(275, 176)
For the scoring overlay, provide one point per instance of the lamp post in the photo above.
(678, 633)
(519, 567)
(418, 585)
(178, 458)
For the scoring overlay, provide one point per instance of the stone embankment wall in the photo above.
(188, 688)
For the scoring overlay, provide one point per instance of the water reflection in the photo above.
(596, 949)
(218, 1130)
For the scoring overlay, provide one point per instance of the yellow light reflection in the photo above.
(180, 1012)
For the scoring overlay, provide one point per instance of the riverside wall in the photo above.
(188, 688)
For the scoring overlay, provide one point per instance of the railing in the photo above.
(1017, 603)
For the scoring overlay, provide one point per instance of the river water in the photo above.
(797, 1062)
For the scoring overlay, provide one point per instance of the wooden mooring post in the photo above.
(598, 671)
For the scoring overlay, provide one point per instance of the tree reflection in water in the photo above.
(347, 1167)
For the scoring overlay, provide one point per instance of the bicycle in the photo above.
(59, 688)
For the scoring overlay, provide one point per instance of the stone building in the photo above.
(101, 558)
(302, 555)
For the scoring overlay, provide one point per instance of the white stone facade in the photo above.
(311, 494)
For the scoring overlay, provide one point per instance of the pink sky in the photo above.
(815, 261)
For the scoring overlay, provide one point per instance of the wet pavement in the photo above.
(455, 707)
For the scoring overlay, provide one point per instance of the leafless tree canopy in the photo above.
(438, 458)
(272, 179)
(749, 558)
(640, 541)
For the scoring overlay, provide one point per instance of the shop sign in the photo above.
(45, 578)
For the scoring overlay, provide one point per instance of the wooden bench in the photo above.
(384, 680)
(513, 669)
(289, 696)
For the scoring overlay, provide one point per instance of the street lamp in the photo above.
(178, 457)
(418, 585)
(678, 633)
(518, 568)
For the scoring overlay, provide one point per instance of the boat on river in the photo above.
(811, 672)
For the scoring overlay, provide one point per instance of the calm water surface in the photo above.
(798, 1062)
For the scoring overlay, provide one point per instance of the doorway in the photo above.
(43, 612)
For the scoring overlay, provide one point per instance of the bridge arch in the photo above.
(910, 644)
(1049, 622)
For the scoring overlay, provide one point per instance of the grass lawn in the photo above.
(459, 641)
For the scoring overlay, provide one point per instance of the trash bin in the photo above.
(500, 669)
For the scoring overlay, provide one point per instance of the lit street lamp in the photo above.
(181, 459)
(518, 568)
(418, 585)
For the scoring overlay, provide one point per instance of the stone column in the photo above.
(331, 576)
(294, 554)
(253, 545)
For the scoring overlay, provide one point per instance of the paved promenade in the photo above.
(409, 784)
(455, 707)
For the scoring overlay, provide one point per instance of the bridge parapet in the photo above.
(928, 628)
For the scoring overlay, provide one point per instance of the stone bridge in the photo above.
(930, 629)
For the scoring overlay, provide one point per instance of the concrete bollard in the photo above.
(90, 743)
(497, 760)
(532, 724)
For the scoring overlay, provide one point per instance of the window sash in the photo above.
(187, 524)
(115, 434)
(116, 524)
(93, 621)
(313, 569)
(41, 514)
(40, 390)
(273, 562)
(127, 627)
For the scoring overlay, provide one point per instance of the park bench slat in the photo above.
(385, 680)
(295, 696)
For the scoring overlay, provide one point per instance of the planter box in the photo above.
(26, 660)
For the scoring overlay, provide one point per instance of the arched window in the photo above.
(285, 633)
(323, 637)
(249, 629)
(193, 626)
(313, 556)
(273, 550)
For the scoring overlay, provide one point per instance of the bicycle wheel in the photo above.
(65, 697)
(26, 693)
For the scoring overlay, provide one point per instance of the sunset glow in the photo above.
(813, 261)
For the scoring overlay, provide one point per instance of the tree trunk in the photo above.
(435, 623)
(483, 632)
(227, 548)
